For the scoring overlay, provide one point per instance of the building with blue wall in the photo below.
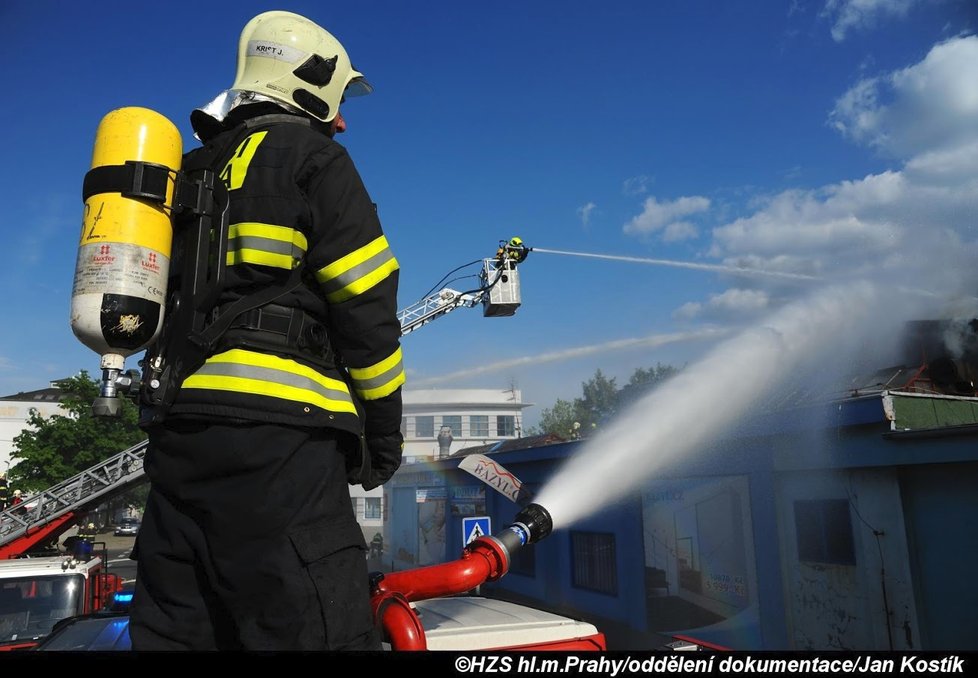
(851, 524)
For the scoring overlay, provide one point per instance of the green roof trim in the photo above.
(914, 412)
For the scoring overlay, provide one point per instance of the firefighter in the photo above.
(4, 492)
(377, 546)
(249, 540)
(515, 250)
(88, 532)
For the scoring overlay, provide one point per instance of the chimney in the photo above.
(444, 441)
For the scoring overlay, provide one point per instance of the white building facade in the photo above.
(15, 411)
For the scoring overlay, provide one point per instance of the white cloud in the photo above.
(944, 165)
(679, 230)
(584, 212)
(733, 303)
(932, 104)
(637, 185)
(917, 220)
(688, 311)
(847, 15)
(657, 215)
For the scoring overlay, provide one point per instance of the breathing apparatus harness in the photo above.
(195, 325)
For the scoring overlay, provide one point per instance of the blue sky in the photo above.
(829, 138)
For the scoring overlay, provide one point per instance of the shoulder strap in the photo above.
(215, 330)
(188, 338)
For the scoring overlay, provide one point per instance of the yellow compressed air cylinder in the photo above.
(119, 293)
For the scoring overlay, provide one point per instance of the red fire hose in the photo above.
(485, 559)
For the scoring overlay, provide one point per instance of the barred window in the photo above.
(524, 562)
(479, 426)
(824, 531)
(594, 562)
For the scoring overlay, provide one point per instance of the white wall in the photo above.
(13, 420)
(464, 403)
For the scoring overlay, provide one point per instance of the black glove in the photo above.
(378, 458)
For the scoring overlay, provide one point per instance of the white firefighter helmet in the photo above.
(290, 59)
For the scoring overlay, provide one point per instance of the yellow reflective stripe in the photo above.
(234, 173)
(358, 271)
(379, 379)
(265, 244)
(242, 371)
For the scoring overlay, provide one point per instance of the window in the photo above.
(454, 422)
(824, 532)
(355, 507)
(479, 426)
(506, 425)
(424, 427)
(372, 508)
(524, 562)
(593, 562)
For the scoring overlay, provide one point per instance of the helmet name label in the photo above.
(274, 50)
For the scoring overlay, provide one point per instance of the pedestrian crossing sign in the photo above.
(473, 528)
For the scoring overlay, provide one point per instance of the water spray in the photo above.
(719, 268)
(651, 341)
(670, 422)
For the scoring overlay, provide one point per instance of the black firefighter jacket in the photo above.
(296, 199)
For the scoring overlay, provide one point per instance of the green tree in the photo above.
(600, 401)
(642, 381)
(54, 449)
(557, 420)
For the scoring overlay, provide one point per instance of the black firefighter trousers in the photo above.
(249, 542)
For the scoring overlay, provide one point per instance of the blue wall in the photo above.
(552, 584)
(850, 435)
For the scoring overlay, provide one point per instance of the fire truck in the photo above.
(37, 593)
(41, 583)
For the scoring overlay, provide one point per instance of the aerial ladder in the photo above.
(45, 516)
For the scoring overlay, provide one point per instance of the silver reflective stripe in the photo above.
(252, 242)
(357, 272)
(381, 379)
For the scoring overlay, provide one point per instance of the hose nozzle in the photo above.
(535, 521)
